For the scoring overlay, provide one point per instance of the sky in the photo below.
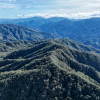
(74, 9)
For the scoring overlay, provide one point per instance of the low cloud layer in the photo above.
(48, 8)
(70, 15)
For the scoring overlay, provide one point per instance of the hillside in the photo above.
(76, 45)
(7, 47)
(86, 31)
(51, 71)
(11, 32)
(10, 46)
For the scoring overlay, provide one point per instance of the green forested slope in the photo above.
(50, 71)
(7, 47)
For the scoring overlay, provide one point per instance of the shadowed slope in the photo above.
(86, 31)
(11, 32)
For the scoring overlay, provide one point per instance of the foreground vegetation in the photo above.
(49, 70)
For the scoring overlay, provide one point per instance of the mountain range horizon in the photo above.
(48, 16)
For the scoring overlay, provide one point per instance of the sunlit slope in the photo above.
(50, 71)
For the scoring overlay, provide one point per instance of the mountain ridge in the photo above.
(50, 70)
(85, 30)
(12, 32)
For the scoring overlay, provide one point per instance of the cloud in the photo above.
(64, 13)
(7, 0)
(47, 8)
(57, 4)
(8, 6)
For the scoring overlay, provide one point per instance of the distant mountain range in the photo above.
(49, 70)
(33, 22)
(86, 31)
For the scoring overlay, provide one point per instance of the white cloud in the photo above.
(7, 6)
(7, 0)
(52, 8)
(64, 13)
(69, 8)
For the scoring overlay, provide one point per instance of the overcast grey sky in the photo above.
(49, 8)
